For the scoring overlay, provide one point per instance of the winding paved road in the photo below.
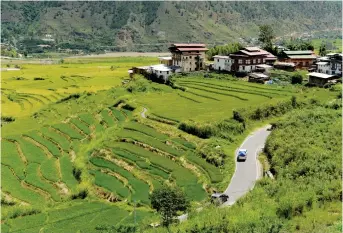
(247, 172)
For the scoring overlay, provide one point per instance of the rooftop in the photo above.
(258, 75)
(165, 58)
(322, 63)
(252, 49)
(302, 56)
(285, 64)
(191, 49)
(299, 52)
(221, 57)
(320, 75)
(188, 45)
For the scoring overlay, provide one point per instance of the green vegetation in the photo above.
(168, 201)
(304, 151)
(140, 188)
(11, 158)
(79, 154)
(49, 170)
(110, 183)
(207, 22)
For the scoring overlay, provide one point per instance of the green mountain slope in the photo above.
(126, 24)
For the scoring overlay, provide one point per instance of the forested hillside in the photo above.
(124, 25)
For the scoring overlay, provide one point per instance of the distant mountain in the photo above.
(137, 25)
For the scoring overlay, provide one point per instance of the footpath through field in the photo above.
(247, 172)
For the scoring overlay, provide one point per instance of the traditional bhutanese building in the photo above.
(190, 57)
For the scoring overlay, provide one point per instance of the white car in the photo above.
(242, 154)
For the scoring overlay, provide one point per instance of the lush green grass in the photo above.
(67, 172)
(141, 189)
(335, 42)
(49, 170)
(185, 143)
(11, 158)
(111, 183)
(68, 130)
(27, 222)
(45, 142)
(12, 185)
(32, 153)
(56, 137)
(33, 178)
(82, 126)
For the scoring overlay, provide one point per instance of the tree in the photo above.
(322, 49)
(266, 36)
(297, 79)
(168, 201)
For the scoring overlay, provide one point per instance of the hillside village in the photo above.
(252, 62)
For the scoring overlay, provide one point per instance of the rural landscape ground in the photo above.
(83, 146)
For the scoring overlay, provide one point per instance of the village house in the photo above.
(258, 78)
(287, 66)
(319, 79)
(301, 59)
(190, 57)
(245, 60)
(330, 64)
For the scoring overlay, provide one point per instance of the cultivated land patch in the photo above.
(71, 135)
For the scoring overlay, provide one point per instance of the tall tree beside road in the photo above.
(168, 201)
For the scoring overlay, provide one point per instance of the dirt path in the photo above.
(143, 112)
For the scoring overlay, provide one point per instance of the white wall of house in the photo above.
(324, 68)
(222, 63)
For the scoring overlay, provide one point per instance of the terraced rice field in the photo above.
(208, 99)
(83, 162)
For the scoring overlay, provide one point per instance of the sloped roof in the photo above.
(299, 52)
(191, 49)
(252, 49)
(188, 45)
(221, 57)
(320, 75)
(302, 56)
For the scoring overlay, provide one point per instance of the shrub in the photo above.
(296, 78)
(38, 78)
(205, 131)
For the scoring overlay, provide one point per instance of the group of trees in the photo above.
(223, 50)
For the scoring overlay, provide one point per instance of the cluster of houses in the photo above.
(249, 61)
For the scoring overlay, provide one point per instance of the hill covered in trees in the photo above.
(121, 26)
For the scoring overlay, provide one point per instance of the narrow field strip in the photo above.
(67, 172)
(118, 114)
(141, 163)
(135, 126)
(88, 118)
(214, 173)
(231, 89)
(55, 137)
(215, 92)
(13, 186)
(68, 130)
(37, 144)
(183, 177)
(82, 126)
(126, 112)
(140, 188)
(10, 157)
(49, 170)
(54, 150)
(107, 118)
(34, 179)
(188, 98)
(140, 137)
(187, 144)
(32, 153)
(110, 183)
(201, 95)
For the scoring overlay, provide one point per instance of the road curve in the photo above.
(247, 172)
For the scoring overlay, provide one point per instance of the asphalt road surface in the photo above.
(247, 172)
